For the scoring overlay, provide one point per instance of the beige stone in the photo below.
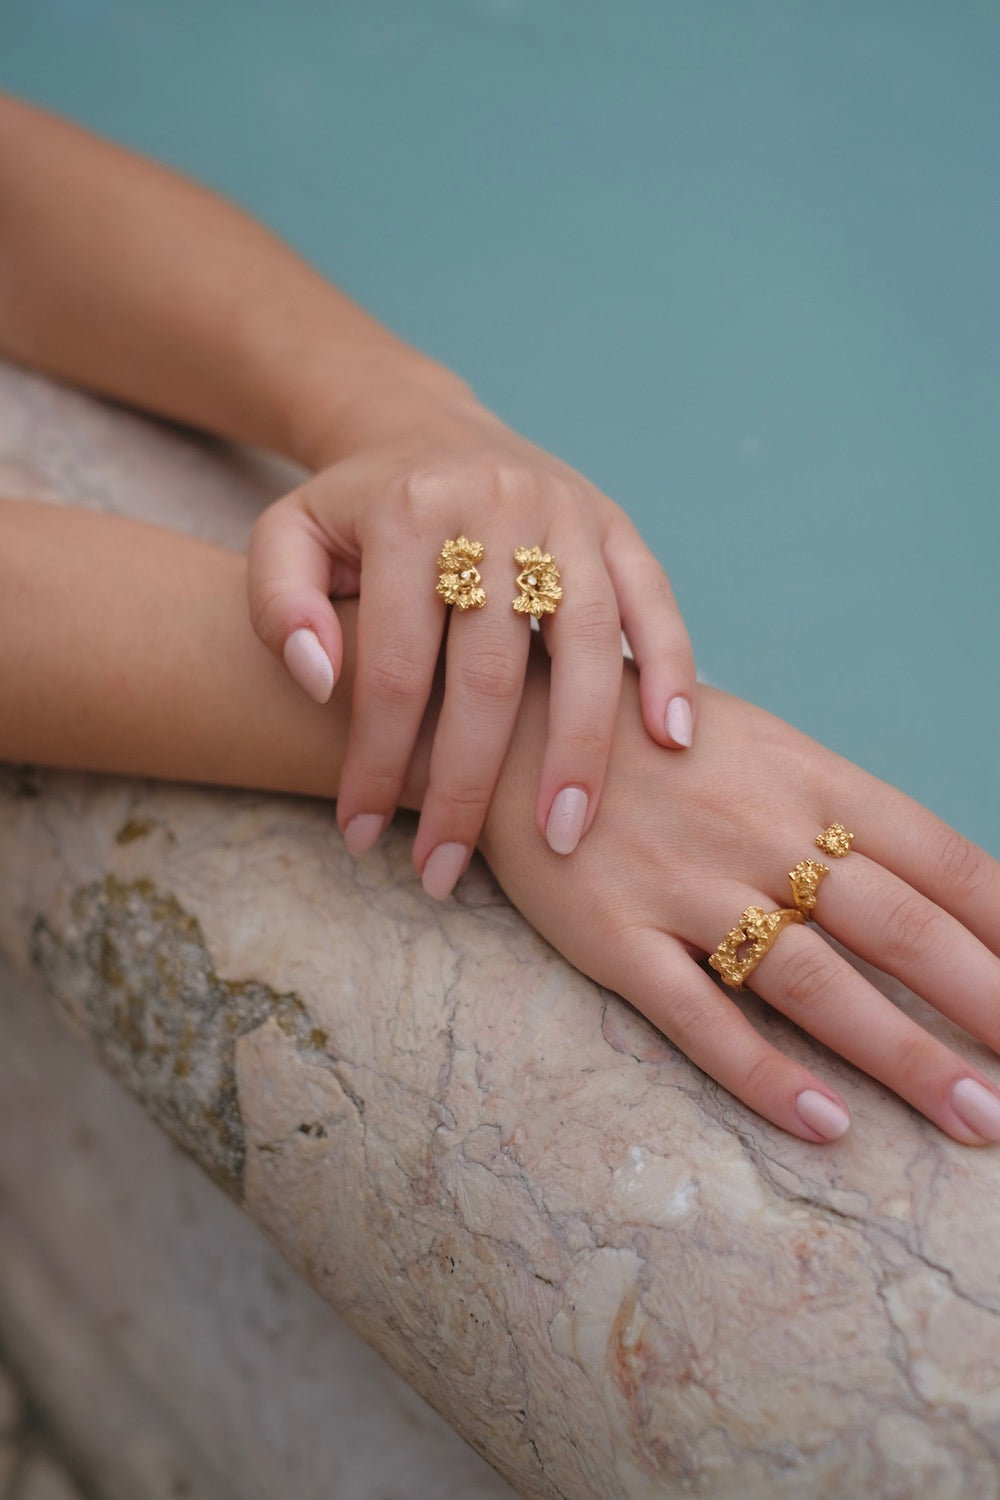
(43, 1478)
(613, 1279)
(11, 1405)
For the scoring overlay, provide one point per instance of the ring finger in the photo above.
(811, 984)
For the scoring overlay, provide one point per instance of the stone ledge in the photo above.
(614, 1281)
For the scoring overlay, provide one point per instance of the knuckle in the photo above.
(808, 976)
(912, 1055)
(960, 863)
(459, 805)
(586, 744)
(691, 1023)
(422, 495)
(762, 1079)
(909, 927)
(491, 675)
(596, 623)
(269, 607)
(394, 682)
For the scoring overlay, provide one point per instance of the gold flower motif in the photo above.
(460, 583)
(835, 840)
(538, 581)
(805, 880)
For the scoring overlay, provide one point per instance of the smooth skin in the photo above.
(124, 277)
(125, 648)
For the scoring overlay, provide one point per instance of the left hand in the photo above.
(684, 844)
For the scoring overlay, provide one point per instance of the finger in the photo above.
(923, 851)
(804, 978)
(884, 921)
(398, 640)
(487, 653)
(656, 634)
(584, 642)
(684, 1003)
(288, 583)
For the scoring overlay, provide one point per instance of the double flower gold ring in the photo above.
(742, 949)
(460, 584)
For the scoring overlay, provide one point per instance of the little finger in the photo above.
(584, 641)
(657, 635)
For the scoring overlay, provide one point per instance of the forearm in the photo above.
(126, 649)
(122, 276)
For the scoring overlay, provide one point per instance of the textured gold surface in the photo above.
(756, 933)
(805, 880)
(835, 840)
(538, 581)
(460, 583)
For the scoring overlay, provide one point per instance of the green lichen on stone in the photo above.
(132, 829)
(159, 1016)
(20, 782)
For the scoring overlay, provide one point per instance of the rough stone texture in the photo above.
(612, 1279)
(171, 1351)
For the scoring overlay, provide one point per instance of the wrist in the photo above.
(391, 390)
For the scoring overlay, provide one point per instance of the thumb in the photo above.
(289, 571)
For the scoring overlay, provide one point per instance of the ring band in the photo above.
(459, 582)
(538, 581)
(757, 932)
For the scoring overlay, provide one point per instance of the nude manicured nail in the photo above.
(822, 1114)
(309, 664)
(978, 1107)
(361, 833)
(566, 819)
(679, 724)
(443, 867)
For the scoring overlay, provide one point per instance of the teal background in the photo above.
(736, 261)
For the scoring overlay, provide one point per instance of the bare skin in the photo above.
(126, 649)
(123, 277)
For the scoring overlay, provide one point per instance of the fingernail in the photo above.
(679, 723)
(978, 1107)
(822, 1114)
(566, 819)
(309, 664)
(361, 833)
(443, 867)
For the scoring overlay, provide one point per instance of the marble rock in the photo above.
(615, 1281)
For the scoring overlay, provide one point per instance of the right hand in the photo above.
(373, 524)
(684, 844)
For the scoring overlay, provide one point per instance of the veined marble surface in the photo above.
(615, 1281)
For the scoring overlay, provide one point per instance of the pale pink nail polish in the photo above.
(309, 664)
(679, 723)
(443, 867)
(566, 819)
(822, 1114)
(361, 833)
(977, 1107)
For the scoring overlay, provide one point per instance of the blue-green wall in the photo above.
(738, 261)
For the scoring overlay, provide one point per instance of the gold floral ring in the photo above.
(459, 582)
(538, 581)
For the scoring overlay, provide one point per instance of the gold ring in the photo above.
(835, 840)
(805, 880)
(460, 583)
(538, 581)
(757, 932)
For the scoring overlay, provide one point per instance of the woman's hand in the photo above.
(373, 524)
(682, 845)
